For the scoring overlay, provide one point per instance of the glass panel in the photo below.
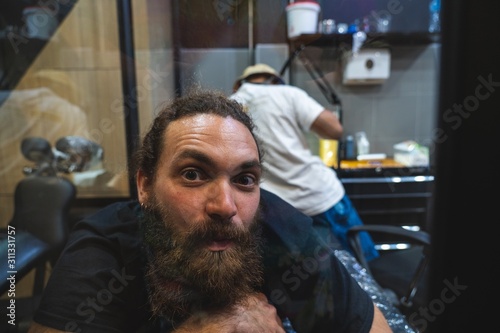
(61, 76)
(153, 56)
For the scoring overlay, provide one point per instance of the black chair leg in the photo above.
(39, 281)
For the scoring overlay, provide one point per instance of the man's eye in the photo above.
(246, 180)
(191, 175)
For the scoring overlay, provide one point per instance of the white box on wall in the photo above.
(367, 66)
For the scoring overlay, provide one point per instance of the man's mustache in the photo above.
(214, 230)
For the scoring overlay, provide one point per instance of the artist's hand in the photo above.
(252, 314)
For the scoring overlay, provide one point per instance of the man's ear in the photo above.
(142, 183)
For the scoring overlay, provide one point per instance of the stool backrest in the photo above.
(41, 207)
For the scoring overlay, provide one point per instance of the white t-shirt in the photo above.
(282, 115)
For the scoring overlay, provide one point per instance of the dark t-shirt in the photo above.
(98, 286)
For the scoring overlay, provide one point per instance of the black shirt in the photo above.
(98, 285)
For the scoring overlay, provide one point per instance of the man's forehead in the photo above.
(208, 123)
(210, 132)
(198, 119)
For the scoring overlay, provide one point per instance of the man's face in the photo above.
(201, 218)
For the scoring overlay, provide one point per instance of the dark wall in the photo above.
(465, 245)
(270, 17)
(213, 24)
(225, 23)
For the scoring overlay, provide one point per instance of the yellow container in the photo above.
(328, 152)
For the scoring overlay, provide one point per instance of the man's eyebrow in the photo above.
(205, 159)
(251, 165)
(196, 155)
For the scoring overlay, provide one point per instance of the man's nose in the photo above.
(220, 203)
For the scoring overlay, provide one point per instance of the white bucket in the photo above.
(302, 18)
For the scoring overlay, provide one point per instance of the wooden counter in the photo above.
(383, 163)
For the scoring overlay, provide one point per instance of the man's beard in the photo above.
(183, 276)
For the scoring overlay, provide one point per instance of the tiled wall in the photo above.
(402, 108)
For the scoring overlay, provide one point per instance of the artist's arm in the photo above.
(254, 314)
(327, 126)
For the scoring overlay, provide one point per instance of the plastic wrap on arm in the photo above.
(397, 321)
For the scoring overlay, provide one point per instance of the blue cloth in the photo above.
(340, 217)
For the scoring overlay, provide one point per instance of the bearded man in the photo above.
(203, 248)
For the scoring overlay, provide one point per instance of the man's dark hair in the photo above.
(195, 102)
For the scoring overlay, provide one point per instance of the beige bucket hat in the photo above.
(256, 69)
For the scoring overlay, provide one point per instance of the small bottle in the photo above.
(362, 143)
(434, 21)
(349, 148)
